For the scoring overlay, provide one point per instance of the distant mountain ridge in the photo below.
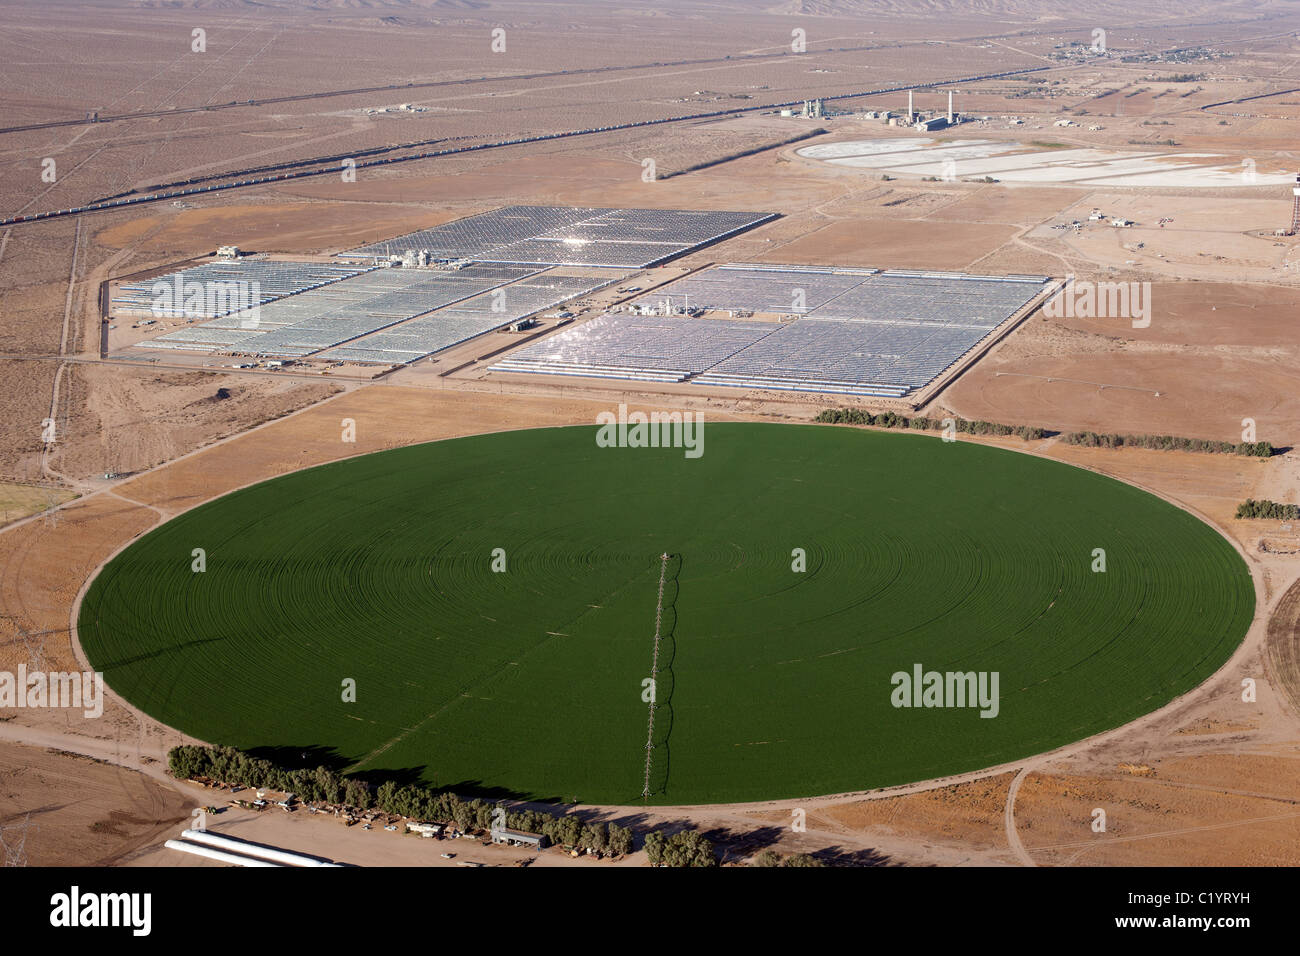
(1026, 13)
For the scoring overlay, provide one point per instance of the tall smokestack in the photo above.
(950, 120)
(910, 118)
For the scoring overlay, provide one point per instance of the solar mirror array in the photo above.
(323, 318)
(627, 238)
(467, 318)
(643, 348)
(484, 272)
(855, 331)
(213, 289)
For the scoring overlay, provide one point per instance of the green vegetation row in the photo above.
(1250, 508)
(770, 858)
(862, 416)
(1253, 449)
(684, 848)
(228, 765)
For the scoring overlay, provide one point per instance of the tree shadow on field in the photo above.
(464, 789)
(310, 756)
(301, 756)
(478, 790)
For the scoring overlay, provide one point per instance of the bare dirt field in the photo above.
(68, 810)
(284, 227)
(19, 500)
(1021, 207)
(1190, 811)
(140, 418)
(896, 244)
(1215, 353)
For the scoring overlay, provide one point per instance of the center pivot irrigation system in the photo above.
(654, 675)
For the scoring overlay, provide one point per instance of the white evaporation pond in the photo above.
(1092, 167)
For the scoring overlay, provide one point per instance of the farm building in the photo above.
(519, 838)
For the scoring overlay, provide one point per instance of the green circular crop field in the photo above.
(773, 682)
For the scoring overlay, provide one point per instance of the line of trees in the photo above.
(863, 416)
(772, 858)
(413, 801)
(1250, 508)
(684, 848)
(1254, 449)
(229, 765)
